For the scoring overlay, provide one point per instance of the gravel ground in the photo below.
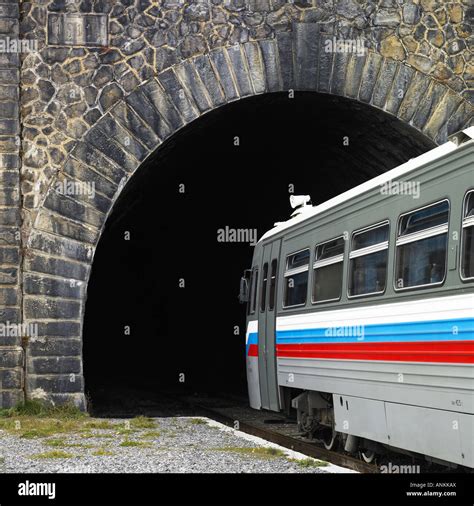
(174, 445)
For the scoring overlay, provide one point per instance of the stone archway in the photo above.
(66, 229)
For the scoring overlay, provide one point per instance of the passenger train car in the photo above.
(360, 312)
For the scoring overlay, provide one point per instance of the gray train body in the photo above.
(361, 312)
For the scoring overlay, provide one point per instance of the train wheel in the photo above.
(368, 456)
(330, 439)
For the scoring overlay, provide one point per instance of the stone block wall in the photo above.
(11, 351)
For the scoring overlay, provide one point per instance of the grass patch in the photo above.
(89, 435)
(309, 462)
(34, 433)
(56, 443)
(40, 409)
(62, 443)
(99, 424)
(126, 432)
(37, 420)
(260, 451)
(197, 421)
(134, 443)
(33, 427)
(152, 434)
(102, 452)
(55, 454)
(142, 422)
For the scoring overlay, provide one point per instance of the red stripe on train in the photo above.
(253, 350)
(446, 351)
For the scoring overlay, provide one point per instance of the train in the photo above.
(360, 313)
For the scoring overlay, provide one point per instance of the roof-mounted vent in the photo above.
(300, 204)
(462, 136)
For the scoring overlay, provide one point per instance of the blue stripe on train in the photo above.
(253, 339)
(433, 330)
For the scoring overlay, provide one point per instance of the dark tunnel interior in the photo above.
(141, 328)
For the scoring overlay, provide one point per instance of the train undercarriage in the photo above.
(317, 421)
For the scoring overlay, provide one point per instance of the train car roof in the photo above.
(395, 173)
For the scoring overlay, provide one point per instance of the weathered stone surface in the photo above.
(132, 122)
(286, 57)
(349, 8)
(412, 97)
(111, 149)
(220, 62)
(306, 55)
(239, 69)
(411, 12)
(122, 137)
(420, 62)
(437, 124)
(60, 247)
(428, 104)
(162, 104)
(391, 47)
(58, 329)
(48, 265)
(110, 95)
(387, 18)
(372, 68)
(55, 346)
(10, 216)
(69, 207)
(91, 157)
(384, 83)
(178, 95)
(191, 82)
(272, 71)
(67, 228)
(145, 110)
(57, 383)
(8, 275)
(55, 365)
(338, 78)
(208, 77)
(325, 65)
(10, 358)
(399, 88)
(9, 9)
(36, 308)
(255, 65)
(456, 13)
(9, 255)
(11, 379)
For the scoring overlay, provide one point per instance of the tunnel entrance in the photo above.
(162, 305)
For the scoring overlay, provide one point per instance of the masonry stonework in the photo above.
(110, 81)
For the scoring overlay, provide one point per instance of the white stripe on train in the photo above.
(440, 308)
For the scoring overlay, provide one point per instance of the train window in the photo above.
(253, 291)
(467, 243)
(422, 246)
(327, 271)
(296, 279)
(263, 293)
(368, 261)
(423, 219)
(273, 276)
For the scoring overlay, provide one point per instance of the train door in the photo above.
(267, 327)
